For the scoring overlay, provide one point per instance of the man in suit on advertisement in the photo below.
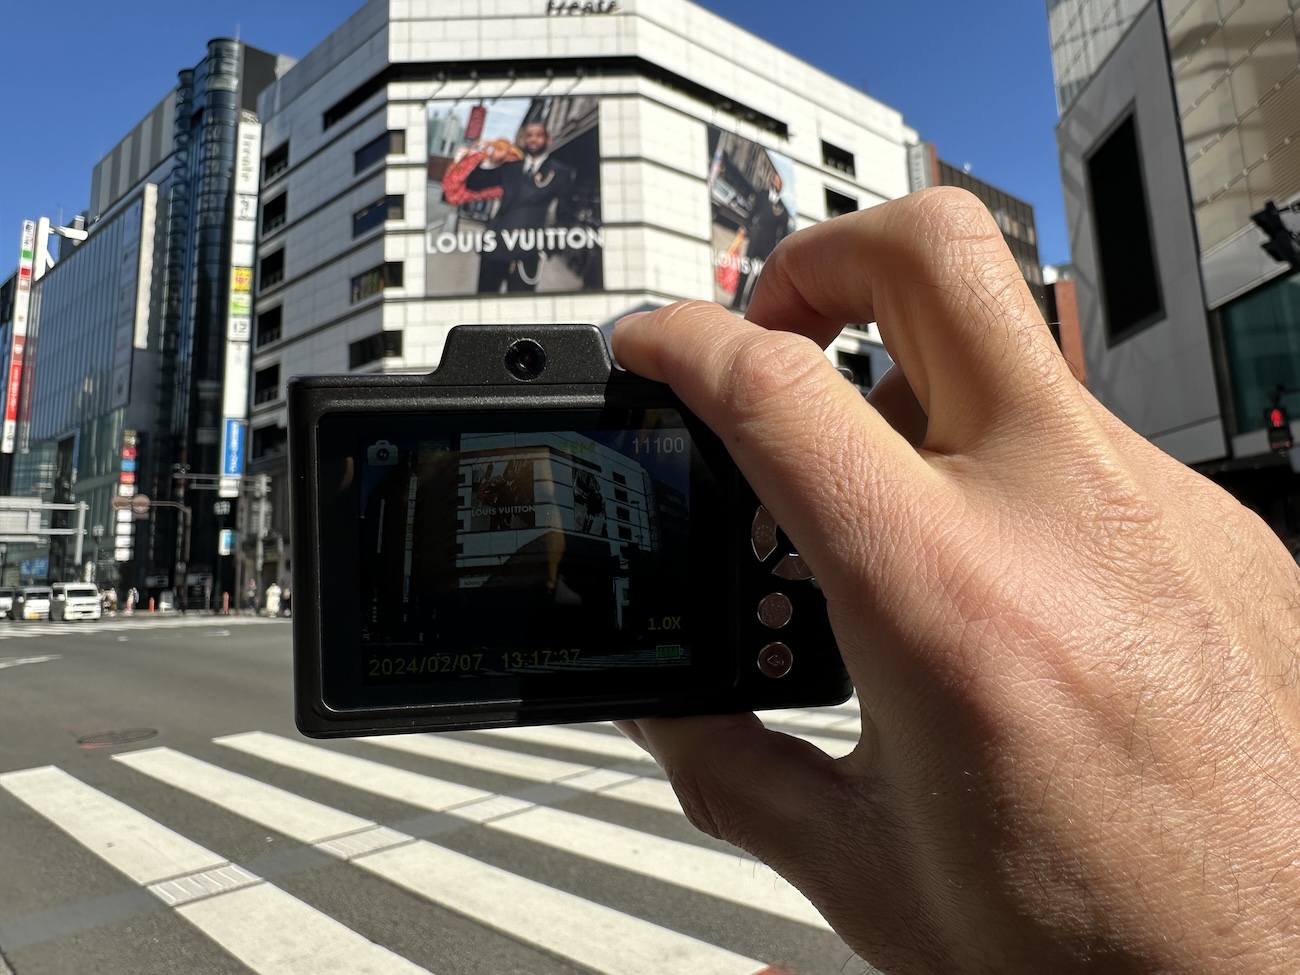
(768, 224)
(529, 187)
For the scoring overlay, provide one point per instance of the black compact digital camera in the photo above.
(530, 535)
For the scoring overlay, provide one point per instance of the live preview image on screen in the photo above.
(518, 551)
(514, 196)
(751, 190)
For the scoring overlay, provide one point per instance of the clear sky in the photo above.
(973, 78)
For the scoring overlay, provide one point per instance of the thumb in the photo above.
(738, 781)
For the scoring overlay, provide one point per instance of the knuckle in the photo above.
(770, 368)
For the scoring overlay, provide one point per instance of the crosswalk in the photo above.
(464, 802)
(25, 629)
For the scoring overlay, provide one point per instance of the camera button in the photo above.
(792, 567)
(775, 660)
(762, 534)
(775, 610)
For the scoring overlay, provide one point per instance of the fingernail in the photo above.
(631, 318)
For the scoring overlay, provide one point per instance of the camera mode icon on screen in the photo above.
(381, 454)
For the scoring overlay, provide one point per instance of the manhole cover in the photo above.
(125, 737)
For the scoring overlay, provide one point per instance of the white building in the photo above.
(672, 126)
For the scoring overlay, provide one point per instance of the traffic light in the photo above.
(1279, 428)
(1282, 244)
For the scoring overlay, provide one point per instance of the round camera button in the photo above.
(775, 660)
(775, 610)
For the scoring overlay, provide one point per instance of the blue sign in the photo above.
(127, 464)
(232, 464)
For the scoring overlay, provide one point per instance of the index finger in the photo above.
(934, 272)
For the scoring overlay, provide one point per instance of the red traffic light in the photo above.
(1279, 428)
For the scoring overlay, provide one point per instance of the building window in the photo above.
(625, 533)
(381, 345)
(1126, 261)
(620, 495)
(268, 325)
(350, 102)
(837, 204)
(858, 366)
(1263, 346)
(375, 280)
(390, 143)
(622, 514)
(269, 440)
(276, 162)
(837, 158)
(272, 269)
(273, 213)
(266, 384)
(368, 218)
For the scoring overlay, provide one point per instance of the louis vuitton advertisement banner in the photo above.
(752, 194)
(514, 196)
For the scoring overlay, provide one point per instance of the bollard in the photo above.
(151, 604)
(225, 604)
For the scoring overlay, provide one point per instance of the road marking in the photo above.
(296, 816)
(268, 930)
(19, 661)
(134, 844)
(569, 926)
(617, 747)
(626, 786)
(729, 876)
(360, 773)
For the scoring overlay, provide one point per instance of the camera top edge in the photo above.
(515, 355)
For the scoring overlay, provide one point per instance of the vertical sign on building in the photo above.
(239, 316)
(22, 301)
(124, 529)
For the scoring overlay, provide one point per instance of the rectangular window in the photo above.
(619, 478)
(381, 345)
(622, 514)
(270, 440)
(837, 204)
(1126, 260)
(858, 366)
(390, 143)
(620, 494)
(276, 162)
(368, 218)
(837, 158)
(353, 100)
(266, 384)
(375, 280)
(274, 213)
(272, 269)
(268, 325)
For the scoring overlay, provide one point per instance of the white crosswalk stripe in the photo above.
(23, 629)
(267, 926)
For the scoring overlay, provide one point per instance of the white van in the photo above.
(31, 603)
(75, 601)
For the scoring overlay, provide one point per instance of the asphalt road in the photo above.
(160, 813)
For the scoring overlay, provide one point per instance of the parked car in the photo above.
(75, 601)
(6, 601)
(31, 603)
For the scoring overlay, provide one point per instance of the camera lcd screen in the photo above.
(555, 555)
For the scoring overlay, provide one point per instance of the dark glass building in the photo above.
(128, 382)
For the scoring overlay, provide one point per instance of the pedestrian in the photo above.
(1078, 660)
(252, 595)
(132, 600)
(273, 599)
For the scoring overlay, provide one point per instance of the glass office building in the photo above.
(1180, 121)
(126, 371)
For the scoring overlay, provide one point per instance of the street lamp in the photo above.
(4, 561)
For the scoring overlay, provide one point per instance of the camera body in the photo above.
(529, 535)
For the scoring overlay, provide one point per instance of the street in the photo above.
(160, 813)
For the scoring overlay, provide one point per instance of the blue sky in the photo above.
(973, 78)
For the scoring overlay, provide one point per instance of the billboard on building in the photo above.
(22, 302)
(514, 196)
(239, 312)
(751, 190)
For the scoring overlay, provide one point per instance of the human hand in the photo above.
(1076, 658)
